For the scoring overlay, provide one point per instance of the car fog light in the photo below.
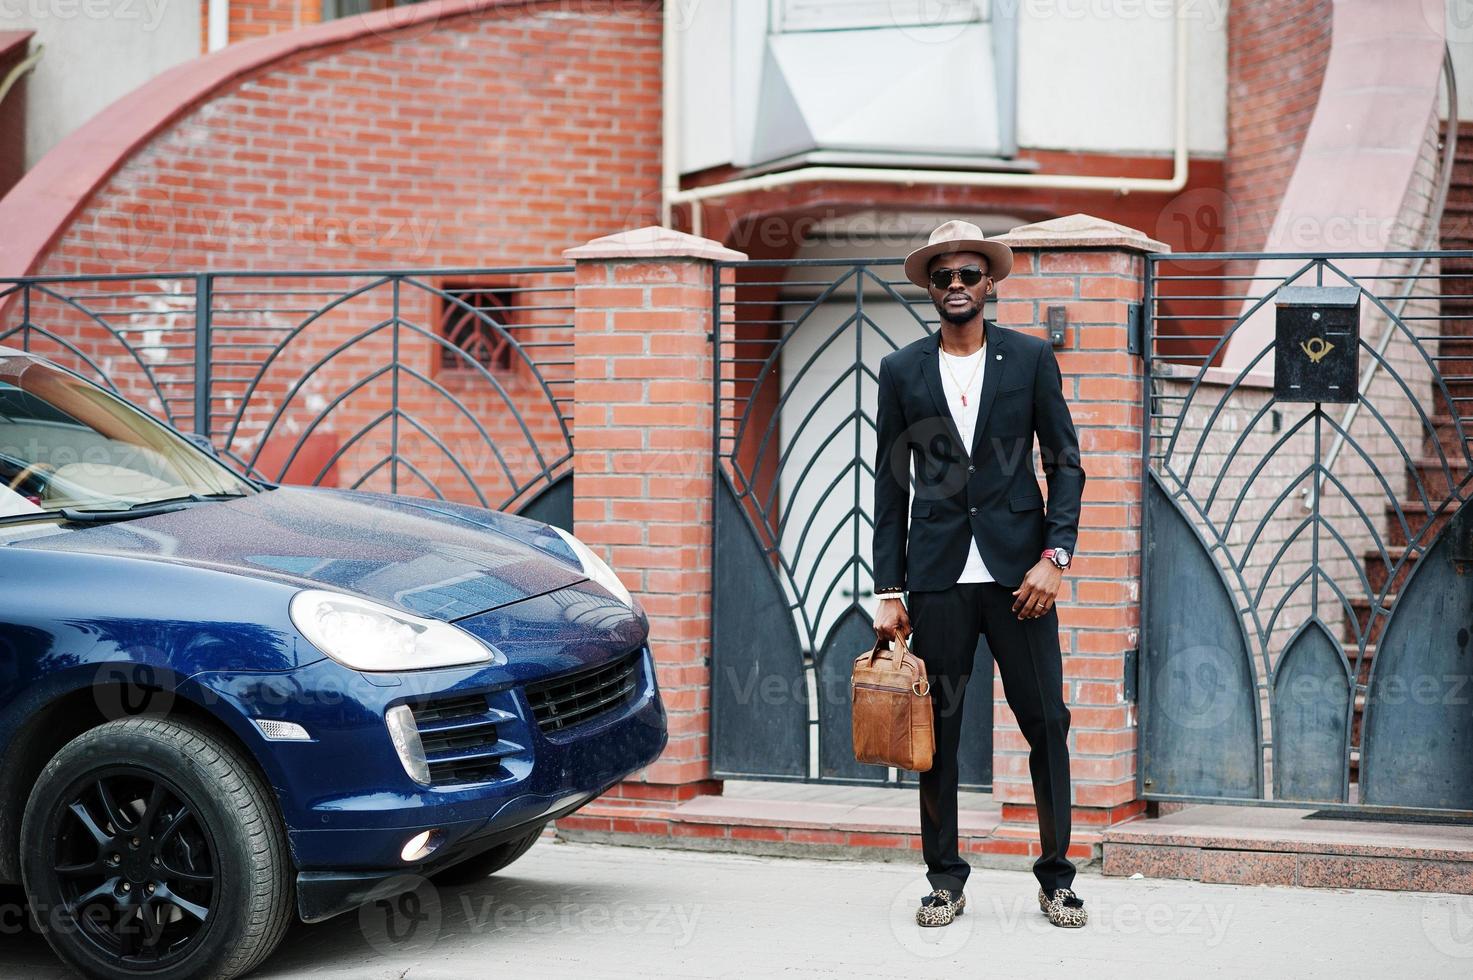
(405, 735)
(421, 846)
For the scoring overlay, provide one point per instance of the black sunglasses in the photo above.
(942, 278)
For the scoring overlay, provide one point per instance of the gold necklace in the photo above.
(973, 377)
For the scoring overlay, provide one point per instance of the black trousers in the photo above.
(944, 630)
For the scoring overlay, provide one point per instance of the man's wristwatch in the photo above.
(1059, 556)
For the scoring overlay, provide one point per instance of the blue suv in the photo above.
(225, 703)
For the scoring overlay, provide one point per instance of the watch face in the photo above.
(1062, 558)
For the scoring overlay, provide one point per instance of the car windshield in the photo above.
(65, 443)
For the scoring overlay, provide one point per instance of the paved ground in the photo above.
(594, 912)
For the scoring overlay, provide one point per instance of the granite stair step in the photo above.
(1287, 846)
(1454, 436)
(1378, 571)
(1362, 609)
(1416, 517)
(1437, 477)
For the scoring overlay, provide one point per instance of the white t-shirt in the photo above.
(954, 373)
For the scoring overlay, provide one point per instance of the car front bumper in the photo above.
(350, 807)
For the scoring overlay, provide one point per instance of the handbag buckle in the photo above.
(921, 688)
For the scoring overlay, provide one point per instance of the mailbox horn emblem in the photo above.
(1316, 348)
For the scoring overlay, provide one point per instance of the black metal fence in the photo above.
(796, 354)
(1307, 606)
(452, 383)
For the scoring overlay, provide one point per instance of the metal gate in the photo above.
(797, 348)
(451, 383)
(1308, 566)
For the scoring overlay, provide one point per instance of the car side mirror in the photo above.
(202, 442)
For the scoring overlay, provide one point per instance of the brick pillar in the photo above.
(643, 463)
(1094, 269)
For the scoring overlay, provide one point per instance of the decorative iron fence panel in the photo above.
(1307, 599)
(797, 348)
(452, 383)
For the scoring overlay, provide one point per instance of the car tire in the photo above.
(151, 848)
(484, 865)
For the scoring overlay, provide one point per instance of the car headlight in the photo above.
(369, 636)
(596, 568)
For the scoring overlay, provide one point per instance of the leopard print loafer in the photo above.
(940, 908)
(1064, 908)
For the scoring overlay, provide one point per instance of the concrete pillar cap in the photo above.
(1081, 231)
(653, 242)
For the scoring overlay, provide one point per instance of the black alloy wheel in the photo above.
(137, 868)
(150, 848)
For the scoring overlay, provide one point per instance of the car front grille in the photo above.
(572, 699)
(460, 739)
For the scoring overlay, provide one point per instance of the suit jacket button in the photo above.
(971, 468)
(974, 510)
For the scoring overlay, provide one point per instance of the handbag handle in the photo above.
(904, 649)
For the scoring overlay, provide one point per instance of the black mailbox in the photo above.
(1317, 345)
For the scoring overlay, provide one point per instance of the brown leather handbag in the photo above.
(891, 700)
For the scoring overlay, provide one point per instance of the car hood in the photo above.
(437, 559)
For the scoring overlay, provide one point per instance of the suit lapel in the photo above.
(931, 371)
(991, 380)
(996, 354)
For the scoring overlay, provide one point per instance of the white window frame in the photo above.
(800, 16)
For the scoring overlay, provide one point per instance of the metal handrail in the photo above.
(1430, 237)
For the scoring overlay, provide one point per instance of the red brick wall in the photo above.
(1099, 610)
(258, 18)
(643, 468)
(496, 138)
(1276, 60)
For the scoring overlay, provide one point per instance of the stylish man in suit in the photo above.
(982, 554)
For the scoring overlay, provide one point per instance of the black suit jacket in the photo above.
(988, 493)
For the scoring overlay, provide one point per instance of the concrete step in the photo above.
(1283, 846)
(885, 830)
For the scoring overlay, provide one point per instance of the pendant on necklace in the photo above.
(964, 400)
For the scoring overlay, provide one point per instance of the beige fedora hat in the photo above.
(958, 236)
